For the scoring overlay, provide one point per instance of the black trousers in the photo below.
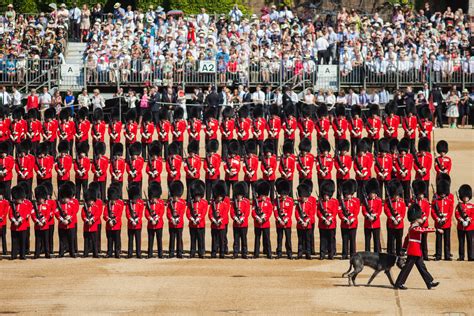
(209, 185)
(229, 184)
(275, 145)
(242, 147)
(8, 187)
(90, 244)
(411, 143)
(272, 189)
(52, 148)
(354, 144)
(287, 233)
(3, 236)
(348, 241)
(224, 148)
(259, 147)
(99, 237)
(463, 237)
(163, 149)
(304, 242)
(176, 242)
(218, 242)
(134, 235)
(81, 186)
(120, 188)
(102, 190)
(240, 241)
(420, 265)
(67, 242)
(151, 241)
(42, 242)
(19, 244)
(197, 242)
(251, 188)
(406, 191)
(424, 246)
(145, 150)
(374, 233)
(312, 242)
(264, 234)
(394, 241)
(114, 243)
(29, 184)
(327, 242)
(361, 188)
(51, 238)
(445, 239)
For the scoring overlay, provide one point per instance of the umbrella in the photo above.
(53, 6)
(174, 12)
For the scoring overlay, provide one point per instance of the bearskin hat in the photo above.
(41, 193)
(50, 113)
(443, 187)
(154, 190)
(251, 146)
(176, 188)
(117, 149)
(322, 110)
(384, 145)
(49, 187)
(131, 115)
(340, 110)
(414, 212)
(403, 145)
(327, 188)
(18, 192)
(198, 188)
(307, 110)
(343, 145)
(262, 187)
(227, 112)
(304, 190)
(268, 146)
(135, 149)
(72, 186)
(63, 146)
(193, 147)
(4, 147)
(82, 113)
(90, 195)
(374, 109)
(393, 145)
(84, 148)
(308, 182)
(349, 187)
(394, 187)
(33, 114)
(240, 188)
(163, 114)
(173, 148)
(3, 111)
(178, 113)
(113, 193)
(391, 108)
(154, 149)
(65, 114)
(65, 191)
(234, 147)
(442, 147)
(465, 191)
(94, 186)
(219, 188)
(289, 110)
(324, 145)
(288, 147)
(18, 113)
(363, 146)
(2, 189)
(212, 146)
(43, 148)
(372, 186)
(257, 112)
(425, 113)
(210, 113)
(419, 187)
(305, 145)
(98, 115)
(147, 117)
(133, 192)
(424, 144)
(100, 148)
(356, 110)
(274, 110)
(283, 186)
(243, 111)
(192, 112)
(443, 177)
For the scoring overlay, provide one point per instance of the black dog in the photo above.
(377, 261)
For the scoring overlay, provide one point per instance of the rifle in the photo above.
(338, 126)
(439, 214)
(395, 217)
(94, 130)
(255, 127)
(238, 213)
(265, 164)
(127, 130)
(228, 163)
(96, 165)
(38, 214)
(326, 217)
(258, 209)
(461, 211)
(45, 128)
(38, 163)
(189, 165)
(318, 122)
(111, 214)
(133, 213)
(16, 215)
(339, 161)
(367, 123)
(400, 164)
(150, 164)
(30, 128)
(440, 166)
(133, 171)
(79, 165)
(379, 166)
(418, 122)
(194, 215)
(89, 215)
(170, 163)
(300, 162)
(61, 130)
(283, 164)
(369, 209)
(63, 214)
(344, 209)
(216, 217)
(150, 209)
(417, 162)
(302, 214)
(174, 214)
(58, 162)
(209, 164)
(320, 162)
(281, 215)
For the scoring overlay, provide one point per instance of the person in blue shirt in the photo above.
(69, 101)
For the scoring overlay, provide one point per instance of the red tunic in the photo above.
(192, 167)
(356, 126)
(287, 166)
(163, 128)
(242, 127)
(390, 126)
(115, 132)
(465, 216)
(409, 126)
(146, 131)
(412, 242)
(269, 167)
(91, 218)
(425, 160)
(262, 218)
(82, 132)
(443, 165)
(82, 166)
(219, 214)
(306, 128)
(304, 214)
(100, 173)
(327, 213)
(250, 167)
(322, 128)
(117, 169)
(6, 168)
(20, 216)
(258, 128)
(274, 127)
(283, 218)
(340, 133)
(349, 220)
(395, 220)
(232, 168)
(442, 210)
(155, 217)
(304, 165)
(324, 166)
(173, 167)
(344, 167)
(227, 129)
(404, 165)
(130, 132)
(372, 215)
(194, 129)
(212, 165)
(134, 218)
(113, 215)
(135, 169)
(289, 127)
(373, 128)
(44, 167)
(177, 129)
(212, 125)
(176, 216)
(197, 216)
(239, 212)
(383, 167)
(154, 168)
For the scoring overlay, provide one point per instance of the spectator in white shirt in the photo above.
(258, 97)
(203, 16)
(235, 14)
(5, 98)
(309, 97)
(45, 99)
(83, 99)
(98, 100)
(16, 96)
(322, 45)
(331, 98)
(374, 97)
(352, 98)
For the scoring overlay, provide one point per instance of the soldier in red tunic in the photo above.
(82, 128)
(43, 164)
(356, 127)
(242, 126)
(274, 125)
(115, 127)
(154, 213)
(391, 121)
(134, 167)
(178, 128)
(41, 216)
(7, 164)
(339, 124)
(420, 198)
(324, 162)
(196, 214)
(239, 213)
(305, 209)
(232, 165)
(19, 213)
(262, 210)
(147, 130)
(442, 211)
(383, 164)
(422, 162)
(465, 216)
(227, 130)
(90, 214)
(117, 166)
(218, 214)
(130, 130)
(372, 210)
(322, 123)
(82, 166)
(342, 162)
(66, 213)
(269, 165)
(33, 130)
(258, 128)
(289, 125)
(412, 244)
(163, 128)
(373, 125)
(425, 125)
(409, 124)
(327, 209)
(404, 165)
(50, 130)
(394, 209)
(283, 212)
(113, 217)
(212, 166)
(443, 162)
(194, 124)
(175, 211)
(4, 208)
(134, 210)
(287, 164)
(349, 208)
(192, 166)
(100, 164)
(305, 160)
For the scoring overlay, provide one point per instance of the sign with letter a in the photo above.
(70, 70)
(207, 66)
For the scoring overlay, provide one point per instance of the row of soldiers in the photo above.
(324, 210)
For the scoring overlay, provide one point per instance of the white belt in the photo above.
(415, 240)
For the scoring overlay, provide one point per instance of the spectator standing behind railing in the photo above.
(85, 22)
(75, 21)
(144, 104)
(452, 113)
(17, 98)
(98, 101)
(465, 105)
(83, 99)
(45, 99)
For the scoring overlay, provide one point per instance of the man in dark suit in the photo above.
(154, 102)
(437, 96)
(212, 100)
(169, 100)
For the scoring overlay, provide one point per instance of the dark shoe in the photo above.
(245, 257)
(460, 259)
(279, 256)
(448, 259)
(437, 258)
(149, 256)
(308, 257)
(139, 256)
(345, 257)
(432, 285)
(401, 287)
(129, 256)
(426, 259)
(290, 257)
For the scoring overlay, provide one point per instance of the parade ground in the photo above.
(258, 286)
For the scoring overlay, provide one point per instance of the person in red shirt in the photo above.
(425, 124)
(32, 102)
(242, 126)
(50, 130)
(19, 213)
(327, 209)
(287, 164)
(442, 210)
(154, 213)
(212, 165)
(147, 129)
(304, 210)
(283, 213)
(211, 125)
(356, 126)
(349, 208)
(322, 122)
(163, 129)
(409, 124)
(383, 164)
(134, 210)
(99, 127)
(67, 129)
(394, 209)
(24, 167)
(63, 163)
(232, 165)
(373, 125)
(404, 165)
(173, 163)
(82, 128)
(262, 210)
(269, 165)
(194, 124)
(7, 163)
(342, 162)
(443, 162)
(371, 210)
(289, 125)
(324, 162)
(134, 166)
(412, 243)
(154, 166)
(115, 127)
(33, 130)
(391, 121)
(339, 124)
(465, 216)
(192, 166)
(420, 198)
(82, 166)
(175, 211)
(43, 164)
(305, 160)
(130, 130)
(219, 216)
(41, 215)
(305, 123)
(274, 125)
(90, 215)
(113, 217)
(4, 209)
(259, 126)
(422, 162)
(100, 164)
(227, 127)
(239, 212)
(178, 128)
(196, 214)
(66, 213)
(250, 165)
(117, 166)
